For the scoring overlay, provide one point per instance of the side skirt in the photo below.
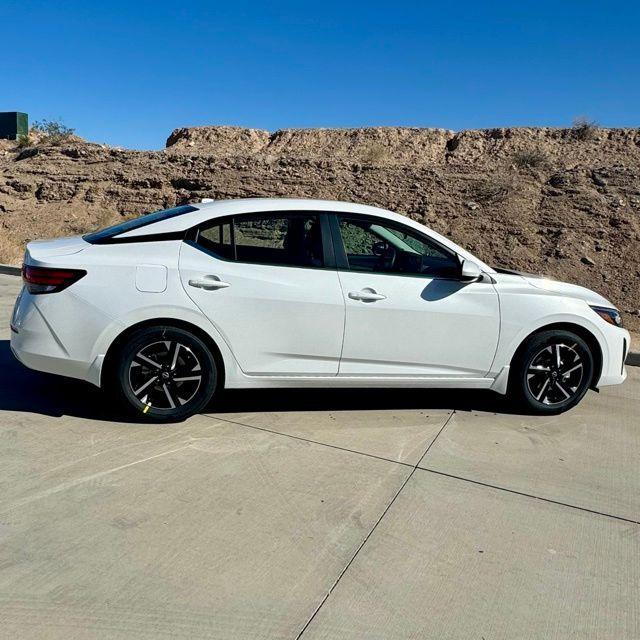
(273, 382)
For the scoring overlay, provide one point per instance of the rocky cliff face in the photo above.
(563, 202)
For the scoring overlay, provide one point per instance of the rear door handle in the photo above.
(209, 283)
(366, 295)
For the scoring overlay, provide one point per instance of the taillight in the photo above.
(49, 279)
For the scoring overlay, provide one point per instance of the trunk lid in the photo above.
(44, 249)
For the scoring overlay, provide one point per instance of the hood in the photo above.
(39, 249)
(566, 289)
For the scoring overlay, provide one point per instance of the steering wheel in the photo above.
(387, 255)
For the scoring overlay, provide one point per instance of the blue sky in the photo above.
(127, 73)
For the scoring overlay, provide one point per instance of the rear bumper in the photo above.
(50, 364)
(57, 342)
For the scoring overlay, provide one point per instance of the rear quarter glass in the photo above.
(150, 218)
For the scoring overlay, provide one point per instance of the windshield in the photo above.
(99, 236)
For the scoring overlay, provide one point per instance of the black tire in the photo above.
(551, 372)
(165, 374)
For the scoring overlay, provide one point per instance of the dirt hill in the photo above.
(563, 202)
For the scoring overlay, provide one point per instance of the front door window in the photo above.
(385, 248)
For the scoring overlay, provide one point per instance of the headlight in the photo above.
(612, 316)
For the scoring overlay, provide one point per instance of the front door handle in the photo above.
(366, 295)
(209, 283)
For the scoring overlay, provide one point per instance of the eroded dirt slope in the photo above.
(540, 200)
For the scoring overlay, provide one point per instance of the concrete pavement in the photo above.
(340, 514)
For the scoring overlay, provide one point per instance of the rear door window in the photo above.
(286, 239)
(217, 239)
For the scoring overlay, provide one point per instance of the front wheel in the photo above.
(166, 374)
(552, 372)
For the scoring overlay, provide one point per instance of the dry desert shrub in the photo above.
(490, 190)
(530, 159)
(375, 154)
(52, 131)
(24, 141)
(584, 129)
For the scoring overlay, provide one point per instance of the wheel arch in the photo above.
(121, 339)
(579, 330)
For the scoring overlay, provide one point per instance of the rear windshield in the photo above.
(99, 236)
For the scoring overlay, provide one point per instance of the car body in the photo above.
(300, 293)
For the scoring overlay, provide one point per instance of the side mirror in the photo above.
(470, 271)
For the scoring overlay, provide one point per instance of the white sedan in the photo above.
(168, 309)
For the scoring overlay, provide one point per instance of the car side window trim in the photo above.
(193, 235)
(342, 261)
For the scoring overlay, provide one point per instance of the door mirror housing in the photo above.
(470, 271)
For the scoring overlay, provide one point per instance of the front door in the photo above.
(407, 312)
(261, 280)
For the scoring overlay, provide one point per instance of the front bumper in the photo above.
(618, 344)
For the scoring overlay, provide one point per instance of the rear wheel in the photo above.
(166, 373)
(552, 372)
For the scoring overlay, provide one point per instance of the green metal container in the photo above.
(13, 124)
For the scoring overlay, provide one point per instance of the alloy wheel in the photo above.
(165, 374)
(555, 373)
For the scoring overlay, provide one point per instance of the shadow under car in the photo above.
(25, 390)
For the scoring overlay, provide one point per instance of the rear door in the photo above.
(268, 282)
(407, 312)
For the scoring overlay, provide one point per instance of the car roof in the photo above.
(256, 205)
(205, 211)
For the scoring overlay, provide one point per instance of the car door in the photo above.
(407, 311)
(268, 284)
